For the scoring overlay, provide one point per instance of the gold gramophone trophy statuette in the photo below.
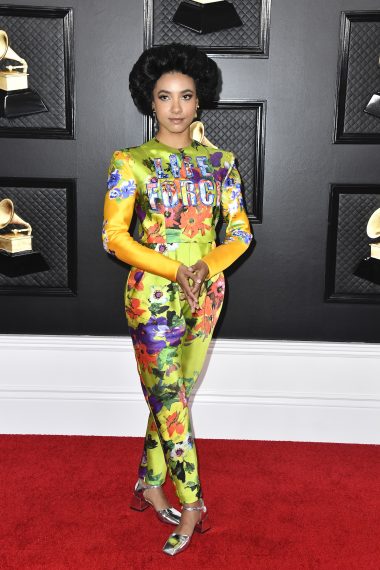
(205, 16)
(16, 98)
(369, 267)
(17, 240)
(16, 255)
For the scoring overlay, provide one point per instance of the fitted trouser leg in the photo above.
(171, 346)
(166, 398)
(152, 467)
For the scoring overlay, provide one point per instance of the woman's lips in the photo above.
(176, 120)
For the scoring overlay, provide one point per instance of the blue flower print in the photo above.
(113, 179)
(126, 189)
(246, 237)
(236, 192)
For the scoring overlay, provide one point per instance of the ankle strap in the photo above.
(200, 508)
(144, 485)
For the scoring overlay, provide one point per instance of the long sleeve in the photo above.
(118, 212)
(238, 231)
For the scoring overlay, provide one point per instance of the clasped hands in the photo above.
(191, 280)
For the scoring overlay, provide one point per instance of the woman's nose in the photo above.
(176, 105)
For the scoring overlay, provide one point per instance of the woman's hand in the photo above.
(200, 272)
(184, 275)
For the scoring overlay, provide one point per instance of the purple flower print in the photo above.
(144, 390)
(196, 175)
(160, 327)
(155, 403)
(143, 469)
(140, 213)
(146, 335)
(220, 174)
(174, 335)
(156, 334)
(215, 158)
(138, 276)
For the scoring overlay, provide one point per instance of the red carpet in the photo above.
(273, 505)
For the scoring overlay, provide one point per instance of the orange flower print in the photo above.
(135, 280)
(144, 358)
(217, 291)
(153, 234)
(133, 310)
(171, 215)
(192, 222)
(173, 425)
(206, 317)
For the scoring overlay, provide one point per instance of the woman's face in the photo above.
(175, 102)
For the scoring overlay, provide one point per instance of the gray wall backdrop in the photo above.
(278, 291)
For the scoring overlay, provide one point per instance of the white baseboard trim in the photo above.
(250, 389)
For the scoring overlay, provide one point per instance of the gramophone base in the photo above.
(19, 103)
(23, 263)
(369, 269)
(206, 18)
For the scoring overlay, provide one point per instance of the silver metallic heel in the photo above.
(176, 542)
(140, 503)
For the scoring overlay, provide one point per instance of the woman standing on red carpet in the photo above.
(178, 184)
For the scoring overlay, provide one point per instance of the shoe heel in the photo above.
(138, 504)
(203, 525)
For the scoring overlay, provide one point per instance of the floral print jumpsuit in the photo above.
(178, 195)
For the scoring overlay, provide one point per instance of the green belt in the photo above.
(177, 236)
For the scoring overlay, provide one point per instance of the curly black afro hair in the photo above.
(186, 59)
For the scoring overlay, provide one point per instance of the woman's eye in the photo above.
(187, 97)
(163, 97)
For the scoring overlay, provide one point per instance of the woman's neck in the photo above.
(175, 140)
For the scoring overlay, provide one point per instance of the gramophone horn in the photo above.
(373, 226)
(6, 212)
(8, 53)
(8, 216)
(3, 43)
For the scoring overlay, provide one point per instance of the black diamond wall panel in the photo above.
(363, 76)
(50, 212)
(359, 78)
(251, 37)
(43, 37)
(351, 206)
